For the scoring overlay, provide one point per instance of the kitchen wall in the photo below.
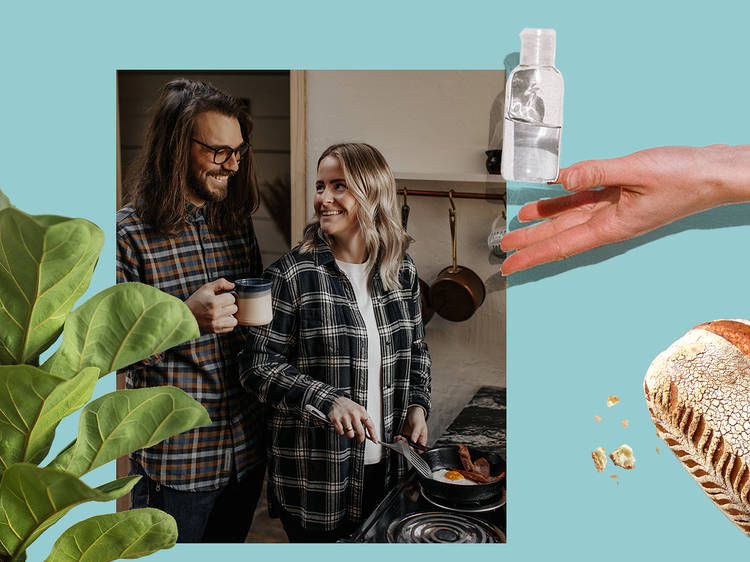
(266, 96)
(433, 128)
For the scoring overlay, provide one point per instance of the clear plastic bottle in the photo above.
(533, 111)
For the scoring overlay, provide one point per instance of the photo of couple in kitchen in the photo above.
(354, 206)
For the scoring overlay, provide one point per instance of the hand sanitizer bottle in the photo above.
(533, 112)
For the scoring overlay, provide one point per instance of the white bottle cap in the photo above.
(538, 47)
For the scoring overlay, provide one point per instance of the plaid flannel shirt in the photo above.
(314, 351)
(206, 367)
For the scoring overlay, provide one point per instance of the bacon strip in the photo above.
(478, 477)
(483, 466)
(465, 456)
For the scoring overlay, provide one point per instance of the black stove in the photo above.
(406, 514)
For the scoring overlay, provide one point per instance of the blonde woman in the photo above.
(346, 338)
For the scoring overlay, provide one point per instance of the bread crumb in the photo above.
(597, 418)
(612, 400)
(623, 457)
(600, 459)
(625, 423)
(657, 450)
(613, 476)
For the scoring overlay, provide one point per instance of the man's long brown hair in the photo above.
(158, 185)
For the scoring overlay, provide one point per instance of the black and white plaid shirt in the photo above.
(206, 367)
(314, 351)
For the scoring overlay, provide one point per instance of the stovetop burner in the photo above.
(405, 504)
(464, 507)
(443, 527)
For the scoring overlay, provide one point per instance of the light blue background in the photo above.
(640, 74)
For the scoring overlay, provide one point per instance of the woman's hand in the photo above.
(641, 192)
(351, 419)
(415, 426)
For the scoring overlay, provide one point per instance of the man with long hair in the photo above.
(187, 230)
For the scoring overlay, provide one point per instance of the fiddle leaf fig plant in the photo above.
(117, 423)
(129, 534)
(33, 498)
(145, 321)
(32, 403)
(46, 264)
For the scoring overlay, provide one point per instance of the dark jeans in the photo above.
(222, 515)
(373, 494)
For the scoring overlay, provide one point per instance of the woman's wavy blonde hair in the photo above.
(370, 180)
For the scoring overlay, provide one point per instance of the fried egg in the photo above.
(451, 477)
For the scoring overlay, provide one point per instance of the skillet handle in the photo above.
(452, 215)
(420, 448)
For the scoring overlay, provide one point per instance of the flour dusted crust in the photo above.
(698, 394)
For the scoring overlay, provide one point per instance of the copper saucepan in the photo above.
(457, 292)
(424, 288)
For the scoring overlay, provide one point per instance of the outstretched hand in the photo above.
(641, 192)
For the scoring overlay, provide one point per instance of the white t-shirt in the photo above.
(357, 275)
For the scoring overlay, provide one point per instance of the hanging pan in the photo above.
(457, 292)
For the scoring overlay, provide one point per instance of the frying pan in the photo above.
(424, 288)
(447, 457)
(458, 291)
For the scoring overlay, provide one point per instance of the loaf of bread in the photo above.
(698, 394)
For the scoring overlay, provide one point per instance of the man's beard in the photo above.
(200, 188)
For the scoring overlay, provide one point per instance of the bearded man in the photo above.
(187, 230)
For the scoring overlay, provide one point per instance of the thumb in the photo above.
(597, 173)
(420, 436)
(221, 284)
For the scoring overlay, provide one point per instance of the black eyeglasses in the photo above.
(224, 153)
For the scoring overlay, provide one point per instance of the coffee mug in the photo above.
(253, 296)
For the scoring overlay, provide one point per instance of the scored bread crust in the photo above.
(698, 394)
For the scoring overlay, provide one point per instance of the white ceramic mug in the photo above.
(253, 296)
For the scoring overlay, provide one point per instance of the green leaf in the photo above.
(46, 264)
(4, 201)
(32, 404)
(125, 420)
(119, 326)
(130, 534)
(33, 498)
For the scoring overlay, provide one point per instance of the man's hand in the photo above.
(415, 426)
(641, 192)
(213, 309)
(351, 419)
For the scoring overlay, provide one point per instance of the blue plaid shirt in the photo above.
(206, 367)
(314, 351)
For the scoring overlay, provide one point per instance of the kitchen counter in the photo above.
(481, 424)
